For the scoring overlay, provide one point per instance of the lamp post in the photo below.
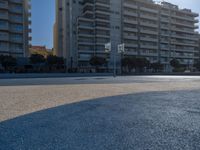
(120, 51)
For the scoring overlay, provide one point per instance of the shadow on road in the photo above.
(156, 120)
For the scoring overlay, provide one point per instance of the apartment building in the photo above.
(14, 27)
(198, 54)
(156, 31)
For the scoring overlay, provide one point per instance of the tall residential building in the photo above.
(14, 27)
(157, 31)
(198, 49)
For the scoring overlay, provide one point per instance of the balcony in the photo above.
(165, 34)
(16, 40)
(149, 39)
(165, 27)
(147, 24)
(16, 10)
(149, 54)
(183, 50)
(149, 32)
(16, 1)
(4, 16)
(85, 35)
(86, 43)
(183, 24)
(149, 10)
(165, 13)
(85, 19)
(131, 45)
(148, 46)
(4, 37)
(185, 37)
(103, 28)
(131, 53)
(128, 29)
(130, 37)
(106, 5)
(86, 27)
(129, 13)
(86, 4)
(16, 20)
(103, 20)
(183, 30)
(4, 5)
(184, 18)
(130, 5)
(129, 21)
(146, 16)
(103, 36)
(164, 20)
(102, 12)
(164, 41)
(4, 27)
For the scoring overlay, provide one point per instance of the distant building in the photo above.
(14, 27)
(156, 31)
(42, 50)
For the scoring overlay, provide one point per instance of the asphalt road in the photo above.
(132, 113)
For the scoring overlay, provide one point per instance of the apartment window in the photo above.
(16, 27)
(16, 37)
(117, 27)
(3, 45)
(16, 47)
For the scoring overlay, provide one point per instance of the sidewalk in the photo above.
(50, 75)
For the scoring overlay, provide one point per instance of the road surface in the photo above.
(101, 113)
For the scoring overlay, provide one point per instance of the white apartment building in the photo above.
(14, 27)
(156, 31)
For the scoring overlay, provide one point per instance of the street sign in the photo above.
(121, 48)
(108, 47)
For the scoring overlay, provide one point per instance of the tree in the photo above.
(157, 66)
(132, 62)
(141, 63)
(43, 52)
(54, 60)
(129, 62)
(37, 59)
(175, 63)
(8, 61)
(97, 61)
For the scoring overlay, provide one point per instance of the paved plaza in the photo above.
(100, 113)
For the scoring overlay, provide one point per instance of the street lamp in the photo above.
(121, 49)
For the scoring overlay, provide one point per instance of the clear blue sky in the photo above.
(43, 15)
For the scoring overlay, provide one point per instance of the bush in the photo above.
(175, 63)
(37, 59)
(157, 66)
(8, 62)
(197, 65)
(54, 60)
(135, 63)
(97, 62)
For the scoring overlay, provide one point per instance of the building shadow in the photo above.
(154, 120)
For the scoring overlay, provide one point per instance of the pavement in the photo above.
(100, 113)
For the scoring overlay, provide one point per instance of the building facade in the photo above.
(156, 31)
(14, 27)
